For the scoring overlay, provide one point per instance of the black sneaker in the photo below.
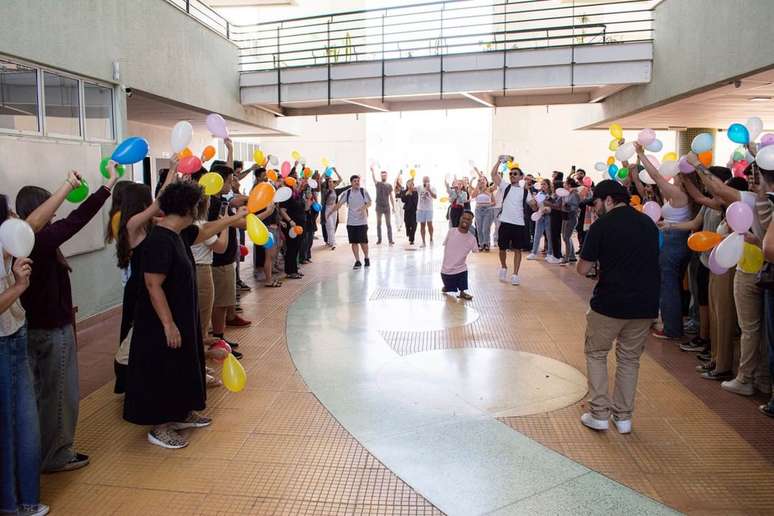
(367, 262)
(241, 285)
(357, 265)
(704, 357)
(696, 345)
(237, 354)
(80, 460)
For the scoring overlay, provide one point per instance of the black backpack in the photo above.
(525, 206)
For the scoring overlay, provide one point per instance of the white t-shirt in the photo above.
(425, 199)
(12, 319)
(513, 204)
(202, 253)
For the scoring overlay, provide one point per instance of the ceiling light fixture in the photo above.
(760, 99)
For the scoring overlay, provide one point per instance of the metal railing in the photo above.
(439, 28)
(205, 15)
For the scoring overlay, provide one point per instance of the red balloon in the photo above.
(189, 165)
(221, 344)
(243, 251)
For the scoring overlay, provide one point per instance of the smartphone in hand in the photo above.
(505, 158)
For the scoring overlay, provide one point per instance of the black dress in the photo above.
(131, 291)
(410, 201)
(165, 384)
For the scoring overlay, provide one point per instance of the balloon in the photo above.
(208, 153)
(221, 344)
(324, 162)
(536, 216)
(613, 145)
(623, 173)
(243, 251)
(443, 200)
(660, 239)
(645, 178)
(316, 206)
(600, 167)
(652, 210)
(655, 146)
(285, 170)
(625, 152)
(181, 135)
(714, 267)
(104, 169)
(274, 160)
(283, 194)
(79, 193)
(765, 158)
(184, 153)
(767, 139)
(130, 151)
(706, 158)
(260, 197)
(307, 172)
(610, 160)
(329, 172)
(270, 242)
(217, 126)
(669, 156)
(738, 133)
(587, 182)
(412, 173)
(563, 192)
(291, 235)
(669, 169)
(16, 238)
(754, 127)
(291, 181)
(739, 153)
(312, 184)
(616, 131)
(259, 158)
(256, 229)
(684, 166)
(297, 230)
(729, 251)
(646, 137)
(212, 182)
(752, 258)
(613, 171)
(739, 168)
(739, 216)
(295, 155)
(701, 143)
(234, 376)
(189, 165)
(272, 175)
(115, 224)
(703, 241)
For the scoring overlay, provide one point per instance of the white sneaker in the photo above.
(503, 274)
(515, 279)
(553, 260)
(737, 387)
(624, 426)
(531, 256)
(593, 423)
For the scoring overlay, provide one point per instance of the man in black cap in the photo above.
(624, 304)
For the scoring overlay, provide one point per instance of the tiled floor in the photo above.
(274, 449)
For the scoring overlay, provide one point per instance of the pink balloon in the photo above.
(713, 264)
(189, 165)
(587, 182)
(217, 126)
(767, 139)
(536, 216)
(285, 170)
(739, 168)
(684, 166)
(646, 137)
(739, 216)
(652, 210)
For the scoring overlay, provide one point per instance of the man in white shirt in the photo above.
(425, 208)
(513, 233)
(358, 201)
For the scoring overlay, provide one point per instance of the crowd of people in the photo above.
(178, 253)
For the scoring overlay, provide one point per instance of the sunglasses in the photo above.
(515, 174)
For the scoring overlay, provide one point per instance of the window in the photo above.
(18, 98)
(99, 111)
(63, 106)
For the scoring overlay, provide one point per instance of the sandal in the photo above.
(293, 276)
(166, 438)
(273, 284)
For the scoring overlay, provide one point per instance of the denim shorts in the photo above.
(424, 216)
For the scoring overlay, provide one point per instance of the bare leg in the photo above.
(516, 260)
(422, 231)
(503, 256)
(356, 251)
(219, 319)
(268, 265)
(430, 230)
(364, 247)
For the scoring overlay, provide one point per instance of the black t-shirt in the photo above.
(228, 256)
(296, 209)
(625, 243)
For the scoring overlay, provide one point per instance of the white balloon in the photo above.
(645, 178)
(312, 184)
(282, 194)
(765, 158)
(600, 167)
(17, 238)
(181, 135)
(471, 163)
(274, 160)
(754, 127)
(729, 251)
(562, 192)
(669, 169)
(655, 146)
(536, 216)
(625, 151)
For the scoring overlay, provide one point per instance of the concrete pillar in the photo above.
(684, 138)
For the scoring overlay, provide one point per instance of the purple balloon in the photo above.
(684, 166)
(652, 210)
(739, 216)
(767, 139)
(713, 264)
(646, 137)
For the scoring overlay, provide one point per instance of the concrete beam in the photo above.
(370, 104)
(483, 99)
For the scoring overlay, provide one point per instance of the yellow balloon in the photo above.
(613, 146)
(256, 230)
(444, 200)
(752, 258)
(669, 156)
(212, 182)
(413, 173)
(610, 160)
(259, 157)
(234, 376)
(115, 224)
(325, 162)
(616, 131)
(295, 155)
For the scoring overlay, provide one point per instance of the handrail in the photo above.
(205, 15)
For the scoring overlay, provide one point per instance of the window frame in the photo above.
(62, 136)
(112, 111)
(38, 86)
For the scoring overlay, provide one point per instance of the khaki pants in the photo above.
(749, 310)
(206, 294)
(630, 336)
(722, 320)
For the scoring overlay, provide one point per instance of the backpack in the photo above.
(525, 206)
(350, 191)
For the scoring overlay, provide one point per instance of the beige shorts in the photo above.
(224, 279)
(206, 294)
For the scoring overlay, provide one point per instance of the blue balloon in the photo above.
(270, 242)
(613, 171)
(701, 143)
(738, 133)
(660, 239)
(329, 172)
(655, 146)
(316, 206)
(130, 151)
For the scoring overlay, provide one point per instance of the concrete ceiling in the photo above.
(717, 107)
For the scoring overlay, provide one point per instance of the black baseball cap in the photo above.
(609, 187)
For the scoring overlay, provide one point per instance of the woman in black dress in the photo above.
(292, 213)
(410, 198)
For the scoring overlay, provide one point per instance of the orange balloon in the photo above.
(184, 153)
(272, 175)
(706, 158)
(635, 200)
(307, 172)
(610, 160)
(298, 230)
(702, 241)
(260, 197)
(290, 181)
(208, 153)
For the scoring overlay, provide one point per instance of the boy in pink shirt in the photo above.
(458, 244)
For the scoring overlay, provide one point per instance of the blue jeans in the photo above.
(484, 218)
(54, 364)
(673, 260)
(543, 225)
(19, 431)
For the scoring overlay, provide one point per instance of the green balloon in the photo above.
(80, 193)
(623, 173)
(104, 170)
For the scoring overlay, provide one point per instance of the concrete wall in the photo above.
(160, 49)
(699, 43)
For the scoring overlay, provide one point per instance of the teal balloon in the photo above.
(130, 151)
(270, 242)
(701, 143)
(104, 170)
(316, 206)
(329, 172)
(79, 193)
(612, 170)
(738, 133)
(660, 239)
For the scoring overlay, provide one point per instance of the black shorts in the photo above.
(357, 234)
(511, 236)
(455, 282)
